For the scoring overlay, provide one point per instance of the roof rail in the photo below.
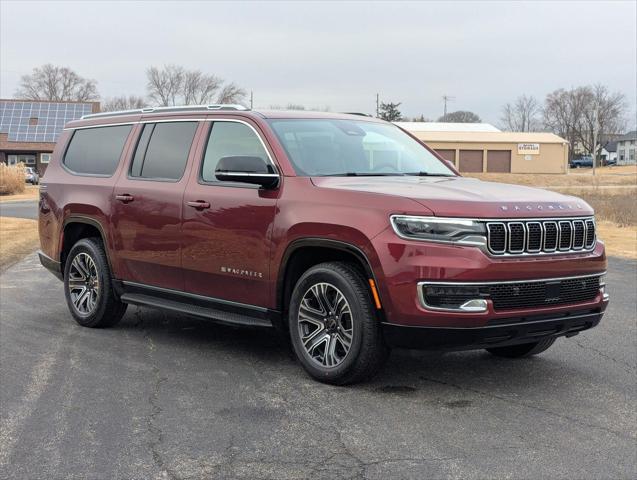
(180, 108)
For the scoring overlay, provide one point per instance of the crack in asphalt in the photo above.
(630, 368)
(155, 431)
(531, 407)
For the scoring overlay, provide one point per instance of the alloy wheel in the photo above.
(325, 324)
(83, 284)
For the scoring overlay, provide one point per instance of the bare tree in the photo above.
(131, 102)
(51, 82)
(583, 113)
(231, 93)
(523, 115)
(165, 86)
(603, 115)
(174, 85)
(460, 116)
(199, 88)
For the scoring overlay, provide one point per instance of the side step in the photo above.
(221, 316)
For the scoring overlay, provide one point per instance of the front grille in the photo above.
(513, 237)
(508, 296)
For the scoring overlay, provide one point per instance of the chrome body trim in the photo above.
(535, 280)
(421, 295)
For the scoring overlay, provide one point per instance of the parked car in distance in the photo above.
(582, 162)
(31, 176)
(344, 232)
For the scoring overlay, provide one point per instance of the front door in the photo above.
(227, 226)
(147, 205)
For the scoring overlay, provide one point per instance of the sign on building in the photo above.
(528, 148)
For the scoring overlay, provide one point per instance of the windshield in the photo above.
(324, 147)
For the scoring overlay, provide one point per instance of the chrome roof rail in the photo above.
(180, 108)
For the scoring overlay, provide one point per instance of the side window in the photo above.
(96, 151)
(230, 139)
(162, 150)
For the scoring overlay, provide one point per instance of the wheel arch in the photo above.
(303, 253)
(76, 228)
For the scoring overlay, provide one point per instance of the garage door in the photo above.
(499, 161)
(470, 160)
(448, 155)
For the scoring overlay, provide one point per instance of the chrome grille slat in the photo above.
(536, 236)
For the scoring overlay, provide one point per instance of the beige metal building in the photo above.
(490, 150)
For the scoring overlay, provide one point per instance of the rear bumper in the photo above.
(51, 265)
(511, 331)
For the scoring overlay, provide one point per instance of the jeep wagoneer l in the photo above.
(343, 231)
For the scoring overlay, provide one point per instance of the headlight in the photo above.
(435, 229)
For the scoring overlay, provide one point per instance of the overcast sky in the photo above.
(335, 54)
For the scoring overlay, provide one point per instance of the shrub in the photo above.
(11, 179)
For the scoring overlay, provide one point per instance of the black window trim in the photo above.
(220, 183)
(139, 137)
(95, 175)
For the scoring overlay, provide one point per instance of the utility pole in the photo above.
(377, 105)
(251, 100)
(445, 99)
(595, 133)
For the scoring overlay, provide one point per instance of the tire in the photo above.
(524, 350)
(100, 306)
(320, 340)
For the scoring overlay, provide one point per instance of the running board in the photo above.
(230, 318)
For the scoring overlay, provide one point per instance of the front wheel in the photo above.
(333, 327)
(87, 286)
(524, 350)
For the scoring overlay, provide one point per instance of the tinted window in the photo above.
(96, 151)
(163, 149)
(230, 139)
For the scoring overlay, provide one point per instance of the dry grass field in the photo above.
(612, 192)
(30, 193)
(18, 237)
(12, 179)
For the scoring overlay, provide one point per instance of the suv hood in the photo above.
(466, 197)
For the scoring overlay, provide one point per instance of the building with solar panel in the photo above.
(30, 128)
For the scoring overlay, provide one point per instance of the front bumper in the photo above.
(500, 333)
(403, 264)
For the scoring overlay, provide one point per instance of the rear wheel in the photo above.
(333, 327)
(87, 286)
(524, 350)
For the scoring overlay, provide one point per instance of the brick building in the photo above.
(30, 128)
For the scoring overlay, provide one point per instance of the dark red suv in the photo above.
(343, 230)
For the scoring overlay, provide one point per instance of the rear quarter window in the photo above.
(96, 151)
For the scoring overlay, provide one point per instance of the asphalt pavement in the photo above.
(19, 209)
(163, 396)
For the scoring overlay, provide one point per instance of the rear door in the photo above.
(227, 226)
(147, 204)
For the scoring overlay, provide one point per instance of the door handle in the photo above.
(198, 204)
(125, 198)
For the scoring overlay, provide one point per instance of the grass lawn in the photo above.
(30, 193)
(18, 237)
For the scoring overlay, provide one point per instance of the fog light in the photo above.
(449, 297)
(475, 305)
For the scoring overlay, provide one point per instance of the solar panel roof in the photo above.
(17, 119)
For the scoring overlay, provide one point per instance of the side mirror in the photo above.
(244, 169)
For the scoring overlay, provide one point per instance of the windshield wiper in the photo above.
(428, 174)
(362, 174)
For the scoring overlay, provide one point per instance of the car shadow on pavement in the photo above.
(405, 373)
